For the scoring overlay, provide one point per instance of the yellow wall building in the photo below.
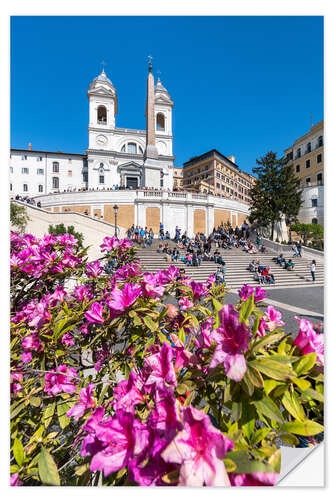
(221, 173)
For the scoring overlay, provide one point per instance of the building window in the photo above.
(11, 170)
(85, 176)
(101, 168)
(101, 179)
(69, 160)
(11, 186)
(320, 141)
(314, 202)
(319, 158)
(308, 163)
(320, 178)
(55, 182)
(298, 168)
(314, 221)
(40, 171)
(24, 157)
(40, 188)
(101, 114)
(131, 148)
(218, 185)
(223, 187)
(308, 147)
(298, 153)
(69, 173)
(25, 187)
(160, 121)
(55, 167)
(140, 150)
(123, 149)
(308, 180)
(25, 170)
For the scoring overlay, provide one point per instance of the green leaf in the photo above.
(229, 465)
(306, 428)
(18, 452)
(150, 323)
(312, 394)
(62, 409)
(273, 369)
(301, 383)
(305, 363)
(216, 304)
(269, 385)
(289, 439)
(268, 408)
(47, 469)
(259, 435)
(245, 465)
(236, 409)
(34, 401)
(15, 411)
(293, 406)
(255, 377)
(47, 415)
(248, 420)
(246, 309)
(268, 339)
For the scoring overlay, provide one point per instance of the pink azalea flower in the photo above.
(59, 294)
(245, 292)
(173, 272)
(184, 357)
(254, 479)
(94, 269)
(273, 318)
(127, 393)
(86, 401)
(204, 337)
(261, 332)
(14, 480)
(123, 298)
(95, 313)
(160, 367)
(185, 303)
(308, 340)
(83, 293)
(232, 339)
(30, 343)
(199, 448)
(199, 290)
(109, 244)
(151, 286)
(122, 438)
(260, 294)
(67, 339)
(60, 382)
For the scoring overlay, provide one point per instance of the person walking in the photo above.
(313, 270)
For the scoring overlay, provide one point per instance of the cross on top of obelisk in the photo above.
(103, 63)
(150, 66)
(159, 73)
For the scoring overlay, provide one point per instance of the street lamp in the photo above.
(115, 208)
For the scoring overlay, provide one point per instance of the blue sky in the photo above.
(242, 85)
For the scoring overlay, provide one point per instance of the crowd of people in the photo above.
(261, 273)
(29, 201)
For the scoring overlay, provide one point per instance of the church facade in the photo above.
(115, 157)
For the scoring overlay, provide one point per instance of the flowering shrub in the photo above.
(113, 385)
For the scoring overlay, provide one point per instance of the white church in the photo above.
(116, 158)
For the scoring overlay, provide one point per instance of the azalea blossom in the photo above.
(127, 393)
(123, 298)
(94, 269)
(95, 313)
(199, 448)
(86, 401)
(160, 367)
(185, 303)
(273, 318)
(308, 340)
(56, 383)
(232, 340)
(254, 479)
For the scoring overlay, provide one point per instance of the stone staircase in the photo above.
(237, 262)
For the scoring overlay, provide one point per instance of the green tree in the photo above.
(61, 229)
(275, 193)
(18, 216)
(307, 231)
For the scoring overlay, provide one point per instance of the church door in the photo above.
(131, 182)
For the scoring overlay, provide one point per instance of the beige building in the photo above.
(220, 174)
(177, 178)
(307, 156)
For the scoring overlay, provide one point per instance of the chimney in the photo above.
(29, 146)
(232, 158)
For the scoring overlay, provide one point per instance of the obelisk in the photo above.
(152, 164)
(151, 149)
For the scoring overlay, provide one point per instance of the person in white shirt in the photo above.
(313, 269)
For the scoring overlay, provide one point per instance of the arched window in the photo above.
(55, 182)
(140, 150)
(101, 114)
(160, 121)
(314, 221)
(40, 188)
(55, 167)
(101, 168)
(123, 149)
(131, 148)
